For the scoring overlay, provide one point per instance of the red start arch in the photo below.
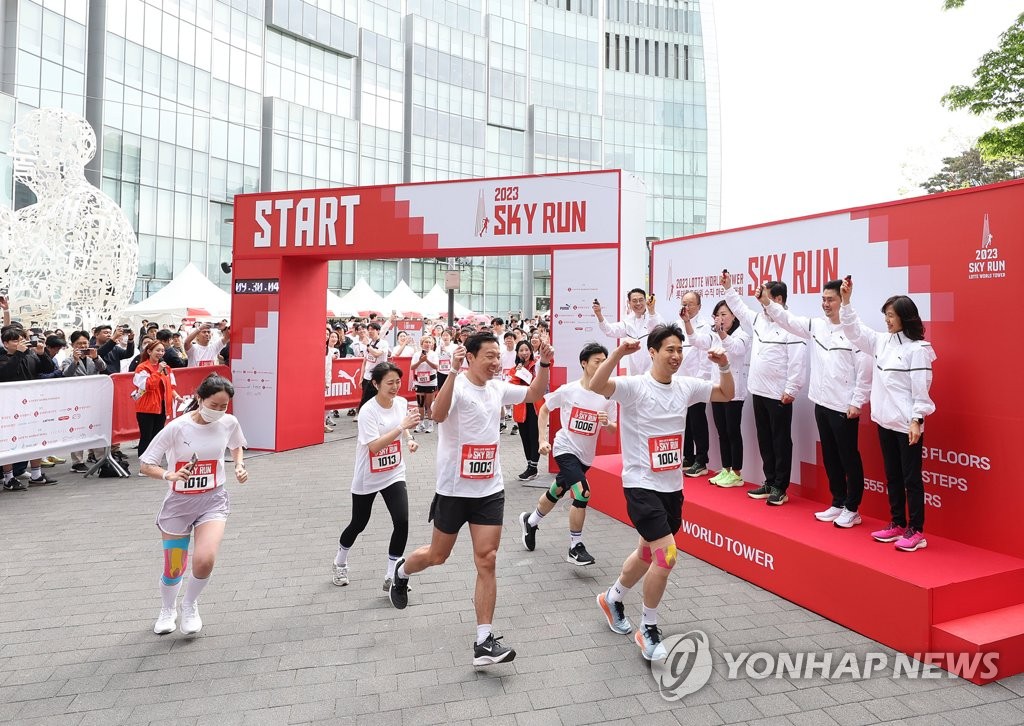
(591, 223)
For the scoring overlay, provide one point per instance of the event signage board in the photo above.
(57, 415)
(960, 257)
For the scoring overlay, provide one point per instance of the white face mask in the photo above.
(209, 415)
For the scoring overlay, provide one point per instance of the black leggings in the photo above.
(728, 417)
(397, 501)
(530, 435)
(150, 424)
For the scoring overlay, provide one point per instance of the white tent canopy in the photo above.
(336, 307)
(362, 300)
(435, 304)
(404, 301)
(189, 295)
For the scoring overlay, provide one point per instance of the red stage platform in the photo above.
(949, 598)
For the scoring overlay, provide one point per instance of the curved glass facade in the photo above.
(195, 101)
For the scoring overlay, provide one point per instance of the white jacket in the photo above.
(840, 373)
(778, 360)
(902, 375)
(634, 327)
(695, 360)
(736, 347)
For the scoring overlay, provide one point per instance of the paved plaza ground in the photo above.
(79, 564)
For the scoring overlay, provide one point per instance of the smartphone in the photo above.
(849, 278)
(192, 463)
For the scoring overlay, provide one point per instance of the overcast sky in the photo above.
(827, 105)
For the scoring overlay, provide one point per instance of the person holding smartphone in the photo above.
(189, 456)
(640, 319)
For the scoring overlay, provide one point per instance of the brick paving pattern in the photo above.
(281, 644)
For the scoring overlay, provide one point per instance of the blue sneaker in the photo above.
(615, 614)
(649, 640)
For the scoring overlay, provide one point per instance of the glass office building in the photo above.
(195, 101)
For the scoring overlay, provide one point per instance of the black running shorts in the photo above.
(449, 513)
(654, 514)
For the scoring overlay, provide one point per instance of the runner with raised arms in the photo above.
(380, 467)
(651, 427)
(192, 448)
(470, 488)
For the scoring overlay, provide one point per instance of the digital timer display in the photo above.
(257, 287)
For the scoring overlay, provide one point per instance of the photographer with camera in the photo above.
(114, 346)
(84, 361)
(19, 363)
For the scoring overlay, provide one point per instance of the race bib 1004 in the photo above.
(387, 458)
(203, 479)
(666, 452)
(478, 460)
(583, 421)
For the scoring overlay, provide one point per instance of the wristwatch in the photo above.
(917, 420)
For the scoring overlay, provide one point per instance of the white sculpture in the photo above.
(73, 256)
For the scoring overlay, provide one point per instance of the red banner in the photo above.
(126, 426)
(346, 387)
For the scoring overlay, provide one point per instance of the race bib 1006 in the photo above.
(203, 479)
(478, 460)
(387, 458)
(666, 452)
(583, 421)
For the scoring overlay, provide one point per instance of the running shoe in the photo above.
(649, 640)
(731, 479)
(340, 575)
(47, 463)
(529, 475)
(41, 481)
(762, 492)
(615, 613)
(687, 463)
(529, 531)
(56, 460)
(718, 477)
(166, 622)
(829, 515)
(695, 469)
(847, 519)
(15, 485)
(911, 540)
(515, 429)
(890, 534)
(191, 623)
(491, 651)
(777, 497)
(578, 555)
(399, 590)
(387, 584)
(79, 468)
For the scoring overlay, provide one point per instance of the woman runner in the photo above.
(192, 447)
(380, 467)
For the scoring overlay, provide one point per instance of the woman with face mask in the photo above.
(189, 455)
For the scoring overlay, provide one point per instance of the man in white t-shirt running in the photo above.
(651, 429)
(583, 414)
(470, 488)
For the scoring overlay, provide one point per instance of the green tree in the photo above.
(998, 89)
(969, 169)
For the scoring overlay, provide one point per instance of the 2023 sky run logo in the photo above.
(690, 662)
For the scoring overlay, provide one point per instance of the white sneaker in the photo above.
(166, 622)
(341, 575)
(829, 515)
(847, 519)
(190, 620)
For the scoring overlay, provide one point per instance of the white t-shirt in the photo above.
(651, 428)
(373, 358)
(579, 407)
(173, 448)
(423, 374)
(508, 361)
(373, 472)
(203, 355)
(468, 464)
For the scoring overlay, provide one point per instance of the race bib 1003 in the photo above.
(666, 452)
(478, 460)
(203, 479)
